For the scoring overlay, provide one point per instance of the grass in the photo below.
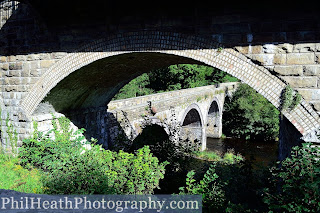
(229, 157)
(208, 155)
(14, 177)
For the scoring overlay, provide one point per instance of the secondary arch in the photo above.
(192, 125)
(214, 120)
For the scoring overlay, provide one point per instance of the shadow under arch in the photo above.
(192, 126)
(214, 120)
(151, 135)
(175, 44)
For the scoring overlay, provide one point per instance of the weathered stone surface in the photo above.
(311, 70)
(279, 59)
(310, 94)
(304, 48)
(316, 105)
(288, 70)
(300, 58)
(46, 63)
(13, 73)
(317, 58)
(5, 66)
(243, 50)
(286, 47)
(13, 81)
(255, 49)
(35, 72)
(58, 55)
(3, 59)
(269, 59)
(272, 48)
(15, 65)
(34, 65)
(44, 56)
(11, 58)
(301, 82)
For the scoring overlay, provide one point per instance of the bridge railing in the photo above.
(130, 102)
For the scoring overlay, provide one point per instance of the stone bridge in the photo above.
(193, 114)
(72, 57)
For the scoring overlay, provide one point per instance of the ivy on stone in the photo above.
(289, 99)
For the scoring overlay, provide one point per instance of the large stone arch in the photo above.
(194, 127)
(303, 117)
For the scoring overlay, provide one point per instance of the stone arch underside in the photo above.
(214, 120)
(192, 126)
(303, 117)
(192, 119)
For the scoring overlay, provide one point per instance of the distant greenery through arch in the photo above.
(174, 77)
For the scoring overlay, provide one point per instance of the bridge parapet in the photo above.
(159, 97)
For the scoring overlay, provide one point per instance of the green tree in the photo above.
(136, 87)
(249, 115)
(175, 77)
(183, 76)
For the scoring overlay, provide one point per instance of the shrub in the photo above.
(71, 169)
(296, 184)
(43, 152)
(209, 187)
(104, 172)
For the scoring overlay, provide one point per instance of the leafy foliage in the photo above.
(209, 187)
(229, 156)
(137, 87)
(229, 186)
(43, 152)
(174, 77)
(11, 140)
(73, 166)
(299, 181)
(288, 100)
(286, 97)
(249, 115)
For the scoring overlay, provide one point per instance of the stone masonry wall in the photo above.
(296, 64)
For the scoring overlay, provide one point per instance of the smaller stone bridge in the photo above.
(189, 113)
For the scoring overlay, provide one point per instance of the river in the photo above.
(262, 152)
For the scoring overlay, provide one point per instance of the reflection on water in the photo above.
(263, 152)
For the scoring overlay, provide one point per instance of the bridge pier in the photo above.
(289, 137)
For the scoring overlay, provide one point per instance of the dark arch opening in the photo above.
(192, 119)
(213, 121)
(154, 136)
(214, 108)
